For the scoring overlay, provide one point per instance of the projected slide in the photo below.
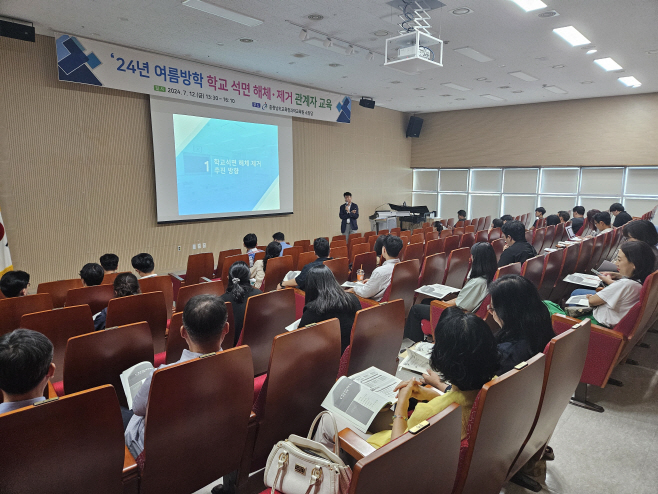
(225, 166)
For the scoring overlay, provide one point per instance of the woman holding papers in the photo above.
(465, 355)
(483, 270)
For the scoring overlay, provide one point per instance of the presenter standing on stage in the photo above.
(348, 213)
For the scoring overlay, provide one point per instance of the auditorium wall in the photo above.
(77, 176)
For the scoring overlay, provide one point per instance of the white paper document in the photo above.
(294, 325)
(351, 284)
(588, 280)
(436, 291)
(133, 378)
(418, 357)
(291, 275)
(359, 398)
(578, 300)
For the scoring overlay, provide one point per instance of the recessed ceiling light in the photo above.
(456, 86)
(291, 63)
(530, 5)
(231, 15)
(492, 97)
(461, 11)
(481, 79)
(555, 89)
(419, 89)
(572, 36)
(474, 54)
(558, 66)
(590, 51)
(630, 81)
(460, 99)
(517, 91)
(543, 59)
(523, 76)
(246, 40)
(587, 82)
(652, 52)
(381, 32)
(299, 55)
(548, 13)
(335, 65)
(608, 64)
(124, 19)
(396, 82)
(316, 17)
(446, 95)
(504, 87)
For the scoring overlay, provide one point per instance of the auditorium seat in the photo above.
(601, 247)
(538, 239)
(228, 262)
(58, 290)
(222, 257)
(467, 240)
(433, 271)
(413, 251)
(482, 236)
(302, 243)
(187, 292)
(498, 247)
(416, 231)
(451, 243)
(303, 365)
(277, 268)
(258, 256)
(458, 231)
(160, 284)
(59, 325)
(266, 316)
(469, 229)
(340, 267)
(549, 235)
(376, 338)
(355, 235)
(445, 233)
(396, 231)
(529, 234)
(338, 237)
(194, 434)
(405, 237)
(109, 278)
(369, 234)
(404, 282)
(487, 223)
(495, 234)
(450, 223)
(96, 297)
(371, 242)
(71, 445)
(584, 255)
(417, 238)
(337, 252)
(568, 267)
(434, 247)
(383, 232)
(99, 358)
(294, 252)
(551, 272)
(559, 233)
(198, 266)
(496, 430)
(514, 268)
(12, 309)
(433, 235)
(306, 258)
(358, 249)
(532, 270)
(355, 241)
(457, 267)
(366, 261)
(149, 307)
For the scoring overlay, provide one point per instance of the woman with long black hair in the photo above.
(239, 289)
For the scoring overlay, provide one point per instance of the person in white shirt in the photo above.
(380, 279)
(26, 364)
(143, 265)
(602, 222)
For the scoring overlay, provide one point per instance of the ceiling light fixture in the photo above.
(474, 54)
(370, 56)
(225, 13)
(523, 76)
(246, 40)
(530, 5)
(518, 91)
(303, 34)
(587, 82)
(460, 99)
(461, 11)
(381, 32)
(558, 66)
(316, 17)
(652, 52)
(396, 82)
(328, 42)
(591, 50)
(548, 13)
(492, 97)
(335, 65)
(607, 64)
(555, 89)
(630, 81)
(481, 79)
(455, 86)
(572, 36)
(419, 89)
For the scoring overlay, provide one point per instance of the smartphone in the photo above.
(596, 272)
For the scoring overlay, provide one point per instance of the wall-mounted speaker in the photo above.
(17, 31)
(414, 126)
(367, 103)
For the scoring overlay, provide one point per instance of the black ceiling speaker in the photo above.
(367, 103)
(414, 126)
(16, 31)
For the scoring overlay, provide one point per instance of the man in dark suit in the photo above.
(348, 214)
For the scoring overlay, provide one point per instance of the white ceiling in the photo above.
(517, 41)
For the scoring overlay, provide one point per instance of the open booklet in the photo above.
(436, 291)
(291, 275)
(588, 280)
(580, 300)
(418, 357)
(294, 325)
(133, 378)
(351, 284)
(359, 398)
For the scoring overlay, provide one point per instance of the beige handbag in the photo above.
(300, 465)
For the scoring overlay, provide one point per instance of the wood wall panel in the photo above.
(619, 130)
(77, 175)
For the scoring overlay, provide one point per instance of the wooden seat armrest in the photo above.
(368, 301)
(595, 328)
(175, 276)
(129, 463)
(444, 304)
(300, 292)
(354, 445)
(203, 279)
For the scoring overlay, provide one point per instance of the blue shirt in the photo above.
(10, 406)
(284, 246)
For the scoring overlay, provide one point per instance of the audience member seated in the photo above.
(321, 248)
(250, 241)
(438, 225)
(524, 320)
(539, 214)
(204, 328)
(238, 291)
(564, 216)
(26, 364)
(517, 248)
(590, 226)
(325, 299)
(552, 219)
(505, 218)
(465, 355)
(578, 219)
(635, 262)
(92, 274)
(483, 270)
(620, 214)
(14, 284)
(280, 237)
(496, 223)
(602, 222)
(143, 265)
(461, 218)
(633, 231)
(377, 247)
(380, 279)
(125, 284)
(110, 263)
(273, 249)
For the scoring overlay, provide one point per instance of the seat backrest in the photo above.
(161, 284)
(413, 251)
(198, 266)
(559, 233)
(482, 236)
(445, 233)
(99, 358)
(417, 238)
(529, 236)
(96, 297)
(376, 337)
(58, 289)
(467, 240)
(337, 252)
(599, 243)
(415, 231)
(404, 282)
(277, 268)
(502, 419)
(294, 252)
(340, 267)
(370, 234)
(434, 270)
(495, 234)
(565, 360)
(450, 223)
(487, 223)
(149, 307)
(469, 229)
(358, 249)
(302, 243)
(357, 240)
(434, 247)
(459, 262)
(396, 231)
(532, 270)
(405, 236)
(371, 242)
(338, 237)
(12, 309)
(59, 325)
(222, 257)
(266, 316)
(552, 265)
(366, 261)
(305, 258)
(302, 369)
(77, 440)
(538, 239)
(451, 243)
(458, 231)
(568, 267)
(584, 255)
(383, 232)
(228, 262)
(498, 247)
(514, 268)
(109, 278)
(548, 238)
(433, 235)
(439, 444)
(191, 419)
(647, 313)
(176, 344)
(187, 292)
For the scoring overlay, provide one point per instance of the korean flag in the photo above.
(5, 258)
